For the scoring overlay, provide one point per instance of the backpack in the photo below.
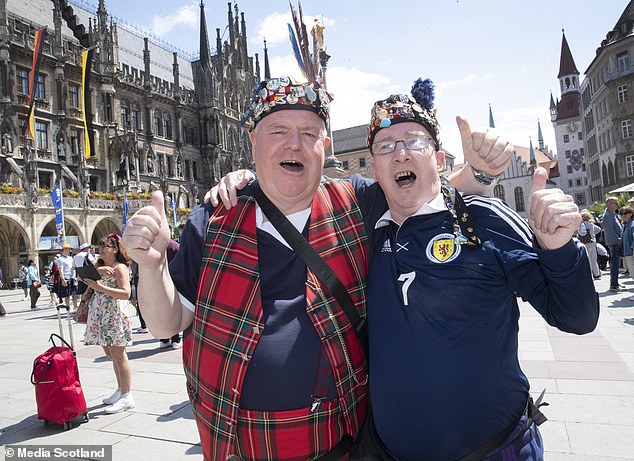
(587, 238)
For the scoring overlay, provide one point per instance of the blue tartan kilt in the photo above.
(81, 288)
(63, 291)
(524, 444)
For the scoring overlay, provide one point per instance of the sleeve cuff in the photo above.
(559, 260)
(186, 302)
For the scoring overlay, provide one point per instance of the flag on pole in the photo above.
(173, 206)
(56, 196)
(29, 128)
(125, 211)
(86, 60)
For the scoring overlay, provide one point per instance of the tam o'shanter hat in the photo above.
(286, 93)
(417, 108)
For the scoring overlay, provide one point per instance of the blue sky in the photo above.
(499, 52)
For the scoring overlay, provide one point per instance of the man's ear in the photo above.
(440, 160)
(326, 142)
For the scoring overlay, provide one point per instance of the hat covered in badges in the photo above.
(286, 93)
(417, 108)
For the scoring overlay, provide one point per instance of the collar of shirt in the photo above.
(298, 220)
(434, 206)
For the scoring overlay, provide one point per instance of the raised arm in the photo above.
(484, 151)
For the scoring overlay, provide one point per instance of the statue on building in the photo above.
(179, 164)
(7, 143)
(61, 148)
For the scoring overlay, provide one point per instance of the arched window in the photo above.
(611, 173)
(604, 175)
(158, 126)
(125, 115)
(167, 126)
(519, 200)
(498, 192)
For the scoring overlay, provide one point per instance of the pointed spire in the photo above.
(257, 68)
(553, 108)
(540, 136)
(230, 25)
(267, 69)
(204, 39)
(491, 121)
(533, 158)
(566, 63)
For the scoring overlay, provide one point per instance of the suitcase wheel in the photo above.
(68, 425)
(84, 418)
(45, 423)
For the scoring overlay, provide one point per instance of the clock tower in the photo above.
(566, 119)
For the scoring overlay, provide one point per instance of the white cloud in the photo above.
(355, 91)
(187, 15)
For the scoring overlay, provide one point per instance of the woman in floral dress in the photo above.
(108, 323)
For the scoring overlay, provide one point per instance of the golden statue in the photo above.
(318, 30)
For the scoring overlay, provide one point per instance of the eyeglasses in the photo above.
(105, 245)
(387, 147)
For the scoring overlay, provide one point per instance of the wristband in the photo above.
(483, 177)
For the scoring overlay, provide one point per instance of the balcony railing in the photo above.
(45, 201)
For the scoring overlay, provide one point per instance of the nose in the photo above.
(293, 140)
(400, 151)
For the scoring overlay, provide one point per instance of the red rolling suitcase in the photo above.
(58, 392)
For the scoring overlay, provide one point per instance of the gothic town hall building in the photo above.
(161, 120)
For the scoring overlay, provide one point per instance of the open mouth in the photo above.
(292, 165)
(405, 178)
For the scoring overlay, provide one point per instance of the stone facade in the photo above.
(162, 120)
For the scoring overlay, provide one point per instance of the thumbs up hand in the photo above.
(484, 149)
(552, 215)
(147, 233)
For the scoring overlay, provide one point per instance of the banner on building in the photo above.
(29, 128)
(173, 207)
(86, 61)
(56, 196)
(124, 221)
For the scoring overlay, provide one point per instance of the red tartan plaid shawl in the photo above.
(228, 323)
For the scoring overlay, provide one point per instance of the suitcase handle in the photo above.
(52, 339)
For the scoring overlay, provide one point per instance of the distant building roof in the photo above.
(350, 139)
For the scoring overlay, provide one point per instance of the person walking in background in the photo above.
(587, 234)
(78, 261)
(612, 231)
(108, 323)
(23, 275)
(33, 282)
(64, 289)
(628, 240)
(54, 282)
(134, 296)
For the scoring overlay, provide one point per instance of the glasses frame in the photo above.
(428, 142)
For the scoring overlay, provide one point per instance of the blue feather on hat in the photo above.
(423, 93)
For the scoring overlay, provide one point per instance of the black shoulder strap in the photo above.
(312, 259)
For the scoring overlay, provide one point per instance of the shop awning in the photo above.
(628, 188)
